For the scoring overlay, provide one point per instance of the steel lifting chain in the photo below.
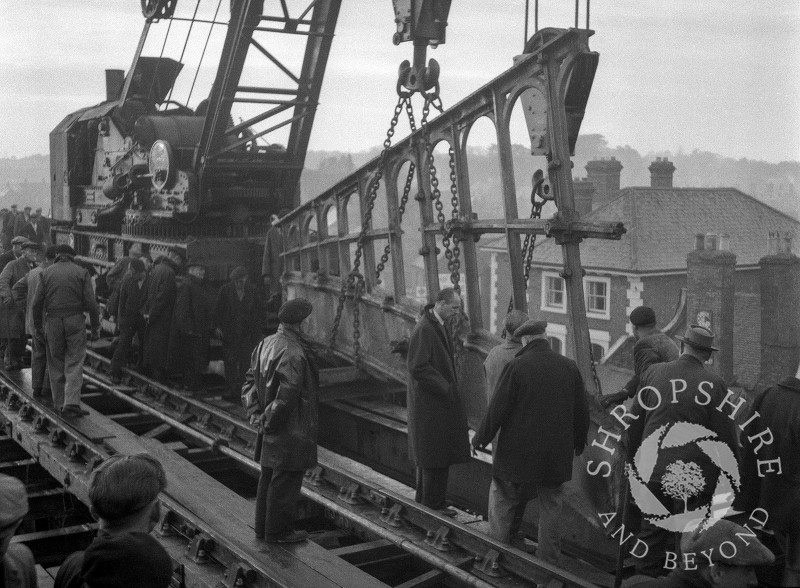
(595, 377)
(452, 254)
(404, 199)
(528, 245)
(355, 280)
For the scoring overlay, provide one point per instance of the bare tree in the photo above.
(682, 481)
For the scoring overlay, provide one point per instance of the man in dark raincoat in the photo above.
(191, 327)
(280, 397)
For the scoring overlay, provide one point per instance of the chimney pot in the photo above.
(711, 241)
(699, 242)
(724, 242)
(661, 173)
(787, 243)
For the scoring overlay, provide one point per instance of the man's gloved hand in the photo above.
(614, 399)
(256, 419)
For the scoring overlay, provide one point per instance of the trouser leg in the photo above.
(13, 355)
(658, 542)
(231, 369)
(434, 487)
(261, 501)
(75, 354)
(503, 503)
(54, 333)
(39, 379)
(282, 497)
(122, 351)
(551, 500)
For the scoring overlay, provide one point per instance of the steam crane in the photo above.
(176, 156)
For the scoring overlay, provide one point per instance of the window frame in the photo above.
(562, 309)
(604, 315)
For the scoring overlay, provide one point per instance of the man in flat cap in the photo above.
(680, 398)
(280, 397)
(723, 555)
(17, 566)
(239, 320)
(159, 304)
(500, 355)
(63, 294)
(652, 346)
(13, 253)
(541, 412)
(12, 313)
(124, 498)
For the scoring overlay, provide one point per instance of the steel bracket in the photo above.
(200, 548)
(14, 402)
(393, 516)
(439, 540)
(239, 575)
(40, 424)
(57, 437)
(349, 494)
(316, 477)
(74, 451)
(26, 412)
(489, 564)
(164, 527)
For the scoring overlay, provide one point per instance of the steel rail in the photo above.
(477, 544)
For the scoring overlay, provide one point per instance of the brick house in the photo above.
(649, 266)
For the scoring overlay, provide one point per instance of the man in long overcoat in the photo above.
(680, 395)
(272, 263)
(192, 323)
(130, 319)
(540, 410)
(437, 422)
(280, 397)
(771, 472)
(239, 322)
(12, 314)
(158, 306)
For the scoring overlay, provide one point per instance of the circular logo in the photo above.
(682, 479)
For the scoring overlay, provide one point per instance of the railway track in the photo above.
(366, 527)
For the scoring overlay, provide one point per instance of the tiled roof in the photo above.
(661, 226)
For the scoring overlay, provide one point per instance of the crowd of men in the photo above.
(537, 419)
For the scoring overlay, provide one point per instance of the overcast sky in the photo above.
(714, 75)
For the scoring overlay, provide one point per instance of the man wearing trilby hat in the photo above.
(676, 402)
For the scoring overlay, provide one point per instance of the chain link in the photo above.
(595, 377)
(451, 254)
(404, 199)
(528, 246)
(355, 280)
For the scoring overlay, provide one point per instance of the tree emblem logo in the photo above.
(683, 480)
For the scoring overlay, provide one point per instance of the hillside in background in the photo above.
(25, 180)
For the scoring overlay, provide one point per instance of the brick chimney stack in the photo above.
(780, 311)
(711, 296)
(661, 171)
(583, 191)
(604, 175)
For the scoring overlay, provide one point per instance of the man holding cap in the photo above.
(12, 315)
(680, 395)
(500, 355)
(706, 565)
(652, 346)
(540, 410)
(280, 397)
(17, 566)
